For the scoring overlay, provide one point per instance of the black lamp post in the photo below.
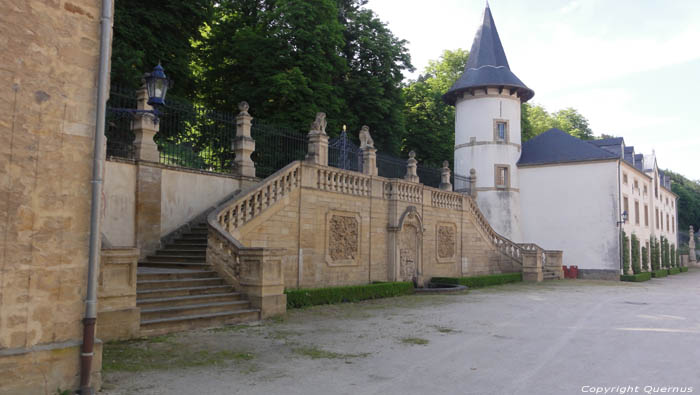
(623, 217)
(157, 85)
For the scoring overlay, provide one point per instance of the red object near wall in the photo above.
(571, 271)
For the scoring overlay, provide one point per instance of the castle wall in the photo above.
(574, 207)
(48, 82)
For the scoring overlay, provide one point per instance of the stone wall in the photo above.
(48, 75)
(338, 227)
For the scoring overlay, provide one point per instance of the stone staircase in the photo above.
(177, 290)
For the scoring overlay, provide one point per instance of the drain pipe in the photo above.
(98, 159)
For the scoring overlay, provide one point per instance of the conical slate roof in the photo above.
(487, 65)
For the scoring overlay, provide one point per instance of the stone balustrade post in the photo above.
(445, 184)
(554, 262)
(318, 141)
(145, 128)
(412, 168)
(369, 153)
(243, 143)
(472, 183)
(262, 279)
(532, 265)
(691, 247)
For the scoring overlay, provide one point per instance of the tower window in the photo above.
(502, 176)
(500, 130)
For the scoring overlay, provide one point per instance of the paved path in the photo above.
(550, 338)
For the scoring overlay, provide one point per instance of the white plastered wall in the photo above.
(573, 208)
(119, 204)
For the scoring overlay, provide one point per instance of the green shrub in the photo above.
(659, 273)
(674, 256)
(655, 256)
(674, 270)
(480, 281)
(665, 253)
(645, 259)
(625, 252)
(354, 293)
(636, 266)
(683, 269)
(636, 278)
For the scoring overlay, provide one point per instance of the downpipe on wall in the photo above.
(87, 352)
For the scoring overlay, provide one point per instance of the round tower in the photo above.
(487, 99)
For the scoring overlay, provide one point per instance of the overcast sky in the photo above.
(632, 68)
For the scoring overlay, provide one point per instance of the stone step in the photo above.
(166, 325)
(189, 299)
(182, 252)
(178, 283)
(154, 313)
(192, 239)
(176, 265)
(176, 258)
(185, 247)
(182, 291)
(175, 275)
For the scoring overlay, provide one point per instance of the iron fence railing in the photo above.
(344, 154)
(118, 125)
(275, 147)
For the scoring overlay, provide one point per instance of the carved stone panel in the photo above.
(408, 252)
(446, 242)
(342, 238)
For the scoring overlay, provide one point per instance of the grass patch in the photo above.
(161, 354)
(444, 329)
(674, 270)
(684, 269)
(659, 273)
(314, 352)
(317, 296)
(414, 340)
(480, 281)
(636, 278)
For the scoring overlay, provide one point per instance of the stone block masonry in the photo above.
(48, 74)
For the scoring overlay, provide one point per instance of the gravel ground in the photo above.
(559, 337)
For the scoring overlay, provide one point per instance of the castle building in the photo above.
(554, 190)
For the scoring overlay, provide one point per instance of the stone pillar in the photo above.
(691, 247)
(369, 153)
(118, 318)
(472, 183)
(554, 262)
(532, 265)
(318, 141)
(145, 128)
(412, 168)
(148, 208)
(262, 279)
(445, 184)
(243, 144)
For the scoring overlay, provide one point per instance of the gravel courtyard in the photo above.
(550, 338)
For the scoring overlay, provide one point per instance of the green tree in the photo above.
(291, 59)
(664, 253)
(655, 258)
(674, 256)
(625, 253)
(429, 120)
(535, 120)
(645, 259)
(688, 192)
(636, 266)
(572, 122)
(147, 32)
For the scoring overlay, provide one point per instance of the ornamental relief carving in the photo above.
(343, 238)
(446, 242)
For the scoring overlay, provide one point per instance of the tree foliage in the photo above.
(429, 120)
(291, 59)
(147, 32)
(535, 120)
(636, 265)
(688, 192)
(625, 253)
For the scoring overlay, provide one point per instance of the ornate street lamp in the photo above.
(157, 84)
(623, 217)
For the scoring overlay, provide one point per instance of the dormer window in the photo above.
(500, 130)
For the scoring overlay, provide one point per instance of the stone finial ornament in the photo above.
(412, 168)
(243, 107)
(318, 126)
(366, 138)
(445, 184)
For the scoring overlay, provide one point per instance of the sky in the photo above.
(631, 67)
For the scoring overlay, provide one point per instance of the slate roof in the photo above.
(557, 146)
(487, 65)
(609, 141)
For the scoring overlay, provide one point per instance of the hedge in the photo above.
(684, 269)
(674, 270)
(354, 293)
(636, 278)
(480, 281)
(659, 273)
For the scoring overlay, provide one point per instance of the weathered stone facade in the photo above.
(48, 75)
